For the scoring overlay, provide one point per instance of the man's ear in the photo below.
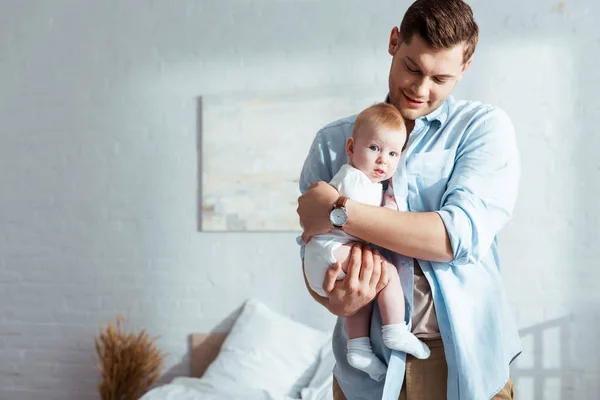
(394, 41)
(350, 147)
(464, 68)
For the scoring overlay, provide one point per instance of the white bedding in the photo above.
(266, 356)
(199, 389)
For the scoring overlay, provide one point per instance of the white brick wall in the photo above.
(98, 169)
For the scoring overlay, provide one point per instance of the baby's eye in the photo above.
(373, 147)
(393, 153)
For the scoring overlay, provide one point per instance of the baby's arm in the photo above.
(389, 201)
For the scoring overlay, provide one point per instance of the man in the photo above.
(461, 172)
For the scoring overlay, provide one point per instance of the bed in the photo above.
(265, 356)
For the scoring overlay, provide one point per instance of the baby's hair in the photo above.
(379, 115)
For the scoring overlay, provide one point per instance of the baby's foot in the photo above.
(361, 356)
(398, 337)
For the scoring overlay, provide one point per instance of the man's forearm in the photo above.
(417, 235)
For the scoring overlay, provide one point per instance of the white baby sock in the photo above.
(398, 337)
(361, 356)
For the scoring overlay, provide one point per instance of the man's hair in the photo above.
(442, 24)
(379, 115)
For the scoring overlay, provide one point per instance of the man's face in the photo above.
(422, 78)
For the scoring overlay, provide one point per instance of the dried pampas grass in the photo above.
(130, 363)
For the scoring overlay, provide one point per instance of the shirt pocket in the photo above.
(428, 177)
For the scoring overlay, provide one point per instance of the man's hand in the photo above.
(366, 276)
(314, 207)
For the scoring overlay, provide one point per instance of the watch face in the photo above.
(338, 216)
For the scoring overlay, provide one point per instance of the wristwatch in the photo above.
(338, 215)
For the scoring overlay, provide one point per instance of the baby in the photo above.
(373, 152)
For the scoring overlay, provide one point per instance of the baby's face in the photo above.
(376, 151)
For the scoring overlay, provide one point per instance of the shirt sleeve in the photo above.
(317, 167)
(482, 190)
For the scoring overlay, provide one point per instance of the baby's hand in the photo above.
(389, 201)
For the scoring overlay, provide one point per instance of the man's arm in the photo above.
(482, 191)
(416, 235)
(424, 235)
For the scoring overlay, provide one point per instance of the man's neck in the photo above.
(410, 125)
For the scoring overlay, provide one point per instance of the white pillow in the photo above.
(266, 350)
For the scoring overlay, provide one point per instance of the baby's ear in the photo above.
(350, 147)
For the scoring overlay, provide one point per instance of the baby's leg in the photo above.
(391, 299)
(395, 333)
(360, 354)
(342, 254)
